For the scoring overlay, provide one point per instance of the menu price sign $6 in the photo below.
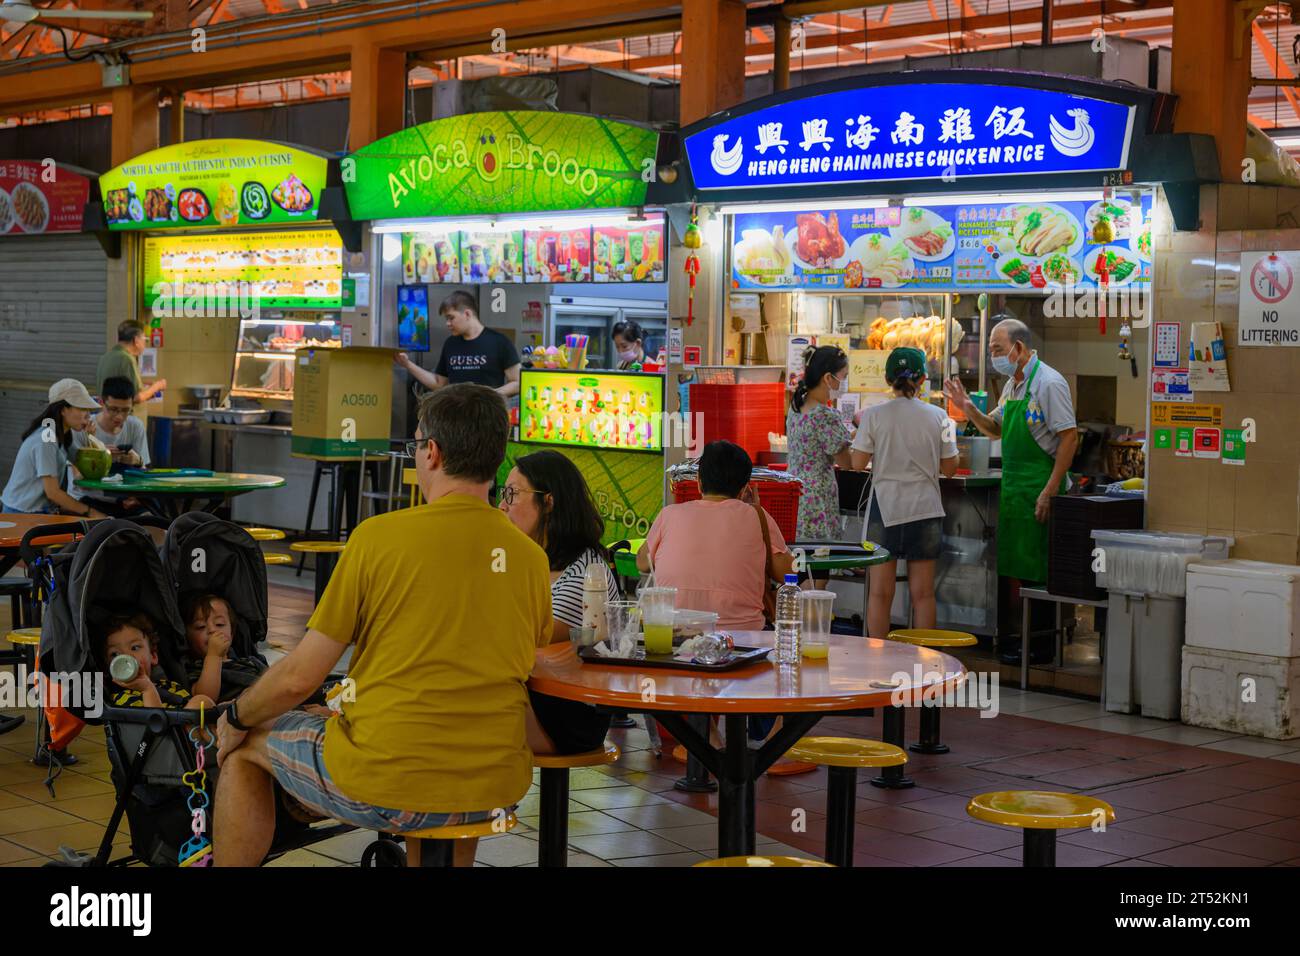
(1268, 312)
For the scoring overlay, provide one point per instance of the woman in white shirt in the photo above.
(909, 444)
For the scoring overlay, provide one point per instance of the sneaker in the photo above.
(45, 756)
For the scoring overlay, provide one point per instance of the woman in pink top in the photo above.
(712, 550)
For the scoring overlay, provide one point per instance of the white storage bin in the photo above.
(1214, 683)
(1154, 562)
(1247, 606)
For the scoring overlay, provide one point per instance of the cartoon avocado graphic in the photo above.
(486, 159)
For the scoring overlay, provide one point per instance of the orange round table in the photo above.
(859, 673)
(14, 526)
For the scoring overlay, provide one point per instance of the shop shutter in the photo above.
(53, 302)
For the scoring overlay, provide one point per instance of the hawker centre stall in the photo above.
(554, 224)
(919, 209)
(238, 264)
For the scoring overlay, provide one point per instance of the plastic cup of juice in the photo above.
(657, 610)
(815, 623)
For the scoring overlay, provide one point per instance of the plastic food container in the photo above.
(1154, 562)
(689, 623)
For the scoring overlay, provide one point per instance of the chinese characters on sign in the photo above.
(973, 129)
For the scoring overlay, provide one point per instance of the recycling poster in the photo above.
(1030, 246)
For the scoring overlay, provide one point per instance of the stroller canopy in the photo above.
(114, 569)
(205, 555)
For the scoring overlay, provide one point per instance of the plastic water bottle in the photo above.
(594, 594)
(787, 621)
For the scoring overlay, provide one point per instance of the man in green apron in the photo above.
(1035, 421)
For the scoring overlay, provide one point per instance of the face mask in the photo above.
(628, 356)
(1004, 365)
(838, 390)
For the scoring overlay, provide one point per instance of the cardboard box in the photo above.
(342, 402)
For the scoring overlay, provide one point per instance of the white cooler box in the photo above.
(1246, 606)
(1214, 683)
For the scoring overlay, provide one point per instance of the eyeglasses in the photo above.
(114, 410)
(510, 492)
(414, 445)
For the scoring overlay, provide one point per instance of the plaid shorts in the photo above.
(297, 747)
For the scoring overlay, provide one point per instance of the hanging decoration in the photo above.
(692, 241)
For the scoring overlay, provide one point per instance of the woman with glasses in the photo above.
(547, 499)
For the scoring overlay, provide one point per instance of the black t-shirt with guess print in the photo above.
(482, 360)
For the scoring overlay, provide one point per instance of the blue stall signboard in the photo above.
(903, 132)
(999, 245)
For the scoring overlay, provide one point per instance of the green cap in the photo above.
(904, 361)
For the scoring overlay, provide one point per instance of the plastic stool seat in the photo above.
(26, 636)
(591, 758)
(761, 861)
(1039, 809)
(265, 534)
(12, 586)
(463, 831)
(846, 752)
(272, 559)
(319, 547)
(929, 637)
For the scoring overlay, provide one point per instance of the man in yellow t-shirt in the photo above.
(445, 604)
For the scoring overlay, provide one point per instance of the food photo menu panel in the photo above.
(995, 246)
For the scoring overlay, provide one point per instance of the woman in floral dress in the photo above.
(818, 441)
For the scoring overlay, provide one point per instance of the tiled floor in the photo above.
(1183, 796)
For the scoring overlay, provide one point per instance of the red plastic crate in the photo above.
(780, 499)
(744, 414)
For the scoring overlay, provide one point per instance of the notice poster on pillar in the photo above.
(1029, 247)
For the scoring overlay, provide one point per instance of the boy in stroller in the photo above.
(135, 638)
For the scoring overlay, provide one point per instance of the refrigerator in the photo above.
(596, 318)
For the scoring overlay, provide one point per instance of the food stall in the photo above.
(238, 265)
(965, 197)
(550, 221)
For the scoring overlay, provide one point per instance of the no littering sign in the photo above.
(1268, 306)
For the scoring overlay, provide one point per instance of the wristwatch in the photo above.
(232, 717)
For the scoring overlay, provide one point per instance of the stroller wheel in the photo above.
(383, 853)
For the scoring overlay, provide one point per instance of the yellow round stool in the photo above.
(758, 862)
(553, 827)
(937, 639)
(265, 534)
(273, 559)
(434, 847)
(25, 637)
(843, 756)
(1040, 813)
(326, 554)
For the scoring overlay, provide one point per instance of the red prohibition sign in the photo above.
(1271, 279)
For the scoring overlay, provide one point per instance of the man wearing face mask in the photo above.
(1035, 421)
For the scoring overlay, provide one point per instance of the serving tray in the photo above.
(741, 657)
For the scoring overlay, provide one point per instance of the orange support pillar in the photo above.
(135, 122)
(1211, 75)
(378, 100)
(713, 57)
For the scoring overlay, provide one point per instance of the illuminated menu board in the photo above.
(615, 410)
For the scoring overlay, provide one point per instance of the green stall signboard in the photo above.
(627, 486)
(518, 161)
(214, 182)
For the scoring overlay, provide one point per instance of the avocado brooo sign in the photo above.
(515, 161)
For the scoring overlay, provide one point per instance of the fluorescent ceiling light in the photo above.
(570, 219)
(1060, 195)
(805, 206)
(1288, 142)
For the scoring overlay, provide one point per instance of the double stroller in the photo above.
(153, 753)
